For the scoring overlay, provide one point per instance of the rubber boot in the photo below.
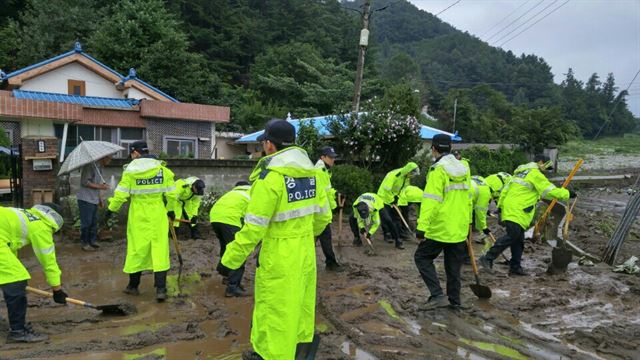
(160, 283)
(134, 282)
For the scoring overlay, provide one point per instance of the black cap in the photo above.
(363, 210)
(139, 146)
(328, 151)
(441, 142)
(279, 132)
(545, 159)
(198, 186)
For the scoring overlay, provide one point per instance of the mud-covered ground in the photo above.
(375, 309)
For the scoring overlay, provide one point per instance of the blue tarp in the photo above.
(76, 99)
(320, 122)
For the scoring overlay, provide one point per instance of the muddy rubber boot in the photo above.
(335, 267)
(485, 263)
(251, 355)
(235, 292)
(518, 272)
(26, 335)
(161, 294)
(129, 290)
(437, 302)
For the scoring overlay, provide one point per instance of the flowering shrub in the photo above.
(377, 140)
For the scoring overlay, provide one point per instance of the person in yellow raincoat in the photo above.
(517, 205)
(367, 214)
(443, 225)
(188, 194)
(146, 180)
(19, 228)
(286, 212)
(392, 185)
(324, 165)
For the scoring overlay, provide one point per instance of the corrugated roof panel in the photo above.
(76, 99)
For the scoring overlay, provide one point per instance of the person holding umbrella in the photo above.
(89, 200)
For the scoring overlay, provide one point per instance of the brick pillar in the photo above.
(44, 180)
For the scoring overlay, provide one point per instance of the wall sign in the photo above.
(42, 164)
(40, 146)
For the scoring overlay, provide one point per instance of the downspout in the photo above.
(64, 141)
(213, 140)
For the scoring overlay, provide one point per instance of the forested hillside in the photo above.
(266, 58)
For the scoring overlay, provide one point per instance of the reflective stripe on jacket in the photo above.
(231, 207)
(286, 211)
(519, 198)
(446, 205)
(375, 204)
(21, 227)
(394, 182)
(146, 181)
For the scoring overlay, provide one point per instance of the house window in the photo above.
(182, 147)
(76, 87)
(127, 137)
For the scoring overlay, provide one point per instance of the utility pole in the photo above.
(455, 108)
(364, 42)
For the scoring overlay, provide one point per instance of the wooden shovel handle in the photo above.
(471, 254)
(50, 295)
(554, 201)
(401, 217)
(175, 240)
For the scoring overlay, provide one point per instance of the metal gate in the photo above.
(15, 181)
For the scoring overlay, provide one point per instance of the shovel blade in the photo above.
(560, 258)
(481, 291)
(529, 233)
(117, 310)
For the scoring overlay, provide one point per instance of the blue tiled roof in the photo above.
(78, 50)
(76, 99)
(320, 123)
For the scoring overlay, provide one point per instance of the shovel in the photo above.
(561, 256)
(481, 291)
(177, 246)
(535, 234)
(341, 200)
(119, 309)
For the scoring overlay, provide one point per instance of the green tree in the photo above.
(142, 34)
(537, 129)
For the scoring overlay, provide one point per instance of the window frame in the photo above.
(71, 84)
(167, 138)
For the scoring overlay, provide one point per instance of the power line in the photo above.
(606, 120)
(447, 8)
(518, 18)
(503, 19)
(525, 22)
(530, 26)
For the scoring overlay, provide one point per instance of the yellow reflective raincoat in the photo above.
(481, 194)
(497, 182)
(375, 204)
(519, 198)
(410, 194)
(231, 207)
(145, 180)
(445, 212)
(286, 212)
(394, 182)
(21, 227)
(185, 199)
(324, 181)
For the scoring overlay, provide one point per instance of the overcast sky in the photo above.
(600, 36)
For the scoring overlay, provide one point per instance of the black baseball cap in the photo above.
(328, 151)
(545, 159)
(441, 142)
(139, 146)
(363, 210)
(279, 132)
(199, 187)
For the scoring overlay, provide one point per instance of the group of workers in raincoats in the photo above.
(284, 208)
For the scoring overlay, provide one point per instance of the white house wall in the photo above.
(56, 81)
(36, 127)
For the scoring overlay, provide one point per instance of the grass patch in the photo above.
(621, 145)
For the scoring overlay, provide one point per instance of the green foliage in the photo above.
(309, 139)
(485, 162)
(537, 129)
(402, 99)
(424, 161)
(379, 139)
(4, 139)
(144, 35)
(626, 144)
(352, 181)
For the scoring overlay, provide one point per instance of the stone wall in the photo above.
(157, 129)
(218, 175)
